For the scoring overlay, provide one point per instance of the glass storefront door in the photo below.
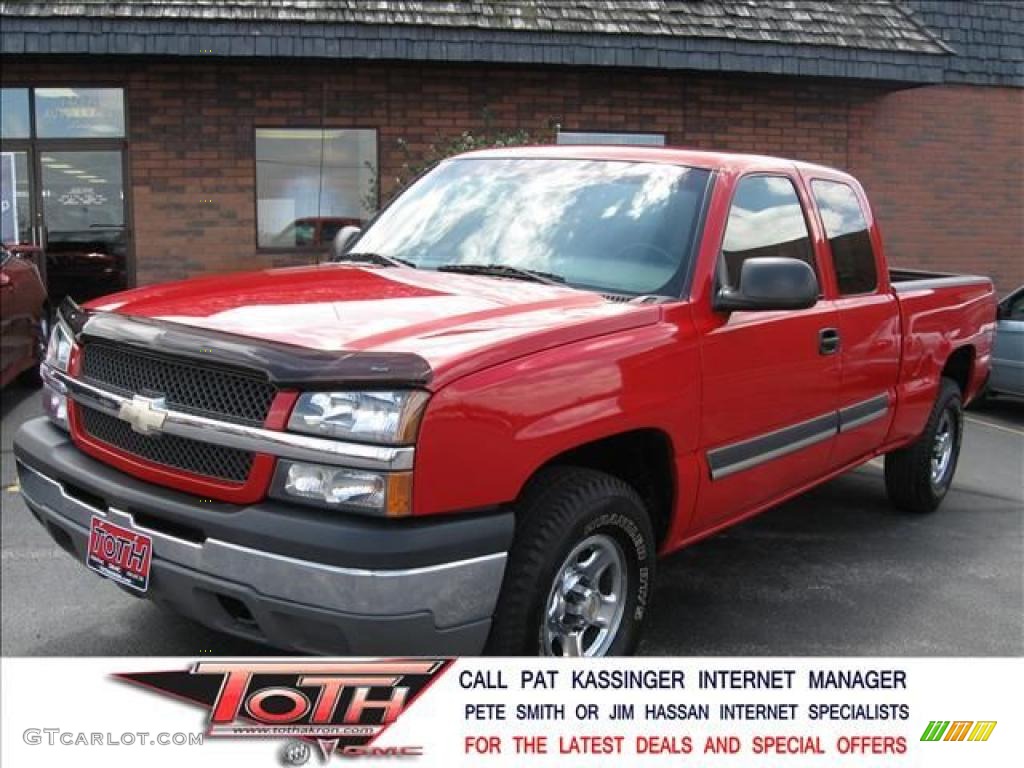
(84, 235)
(15, 198)
(63, 178)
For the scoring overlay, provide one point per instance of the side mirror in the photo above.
(771, 283)
(343, 241)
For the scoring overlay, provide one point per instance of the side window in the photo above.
(848, 237)
(305, 232)
(766, 219)
(328, 230)
(1017, 307)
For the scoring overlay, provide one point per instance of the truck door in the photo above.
(770, 379)
(869, 320)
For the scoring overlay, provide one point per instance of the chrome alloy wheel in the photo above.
(942, 449)
(586, 601)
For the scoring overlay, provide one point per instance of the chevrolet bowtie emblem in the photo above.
(145, 414)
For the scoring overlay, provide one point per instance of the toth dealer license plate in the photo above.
(119, 554)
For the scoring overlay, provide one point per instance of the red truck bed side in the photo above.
(947, 324)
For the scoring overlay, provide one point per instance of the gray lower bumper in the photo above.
(290, 602)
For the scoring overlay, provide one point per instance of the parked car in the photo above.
(24, 318)
(1008, 351)
(536, 371)
(312, 231)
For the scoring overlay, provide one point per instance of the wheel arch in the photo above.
(642, 458)
(959, 367)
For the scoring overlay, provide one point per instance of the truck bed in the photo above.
(941, 315)
(904, 280)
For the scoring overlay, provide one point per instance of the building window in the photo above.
(15, 222)
(848, 237)
(79, 113)
(766, 219)
(14, 122)
(310, 183)
(600, 137)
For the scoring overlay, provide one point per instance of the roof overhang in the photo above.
(66, 35)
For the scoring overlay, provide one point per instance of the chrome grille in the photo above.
(170, 451)
(204, 390)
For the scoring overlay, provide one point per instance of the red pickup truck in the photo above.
(479, 425)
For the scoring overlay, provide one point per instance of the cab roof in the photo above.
(736, 162)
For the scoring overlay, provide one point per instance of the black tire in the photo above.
(563, 509)
(909, 479)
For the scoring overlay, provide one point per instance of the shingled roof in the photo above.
(987, 38)
(871, 39)
(870, 25)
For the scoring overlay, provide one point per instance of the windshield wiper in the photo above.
(376, 258)
(503, 270)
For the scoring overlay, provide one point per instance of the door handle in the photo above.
(828, 341)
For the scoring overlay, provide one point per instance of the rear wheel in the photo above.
(918, 477)
(580, 571)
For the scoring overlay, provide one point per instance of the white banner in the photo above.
(762, 713)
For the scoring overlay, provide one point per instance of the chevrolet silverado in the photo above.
(481, 422)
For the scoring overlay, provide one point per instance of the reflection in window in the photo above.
(330, 228)
(83, 207)
(82, 192)
(848, 236)
(612, 226)
(766, 219)
(14, 122)
(79, 113)
(310, 183)
(604, 137)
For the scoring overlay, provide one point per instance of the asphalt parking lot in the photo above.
(836, 572)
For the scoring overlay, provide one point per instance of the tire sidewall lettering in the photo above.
(630, 531)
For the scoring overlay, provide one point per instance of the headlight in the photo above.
(372, 493)
(58, 356)
(58, 350)
(373, 417)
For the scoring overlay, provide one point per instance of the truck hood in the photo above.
(456, 323)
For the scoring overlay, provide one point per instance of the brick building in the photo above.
(146, 141)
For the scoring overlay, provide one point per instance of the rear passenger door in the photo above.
(769, 386)
(869, 331)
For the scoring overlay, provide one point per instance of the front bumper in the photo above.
(293, 577)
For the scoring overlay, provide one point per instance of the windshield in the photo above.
(609, 226)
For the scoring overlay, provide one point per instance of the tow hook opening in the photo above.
(238, 611)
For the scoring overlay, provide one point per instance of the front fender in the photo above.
(486, 434)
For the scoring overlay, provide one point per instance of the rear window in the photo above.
(847, 230)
